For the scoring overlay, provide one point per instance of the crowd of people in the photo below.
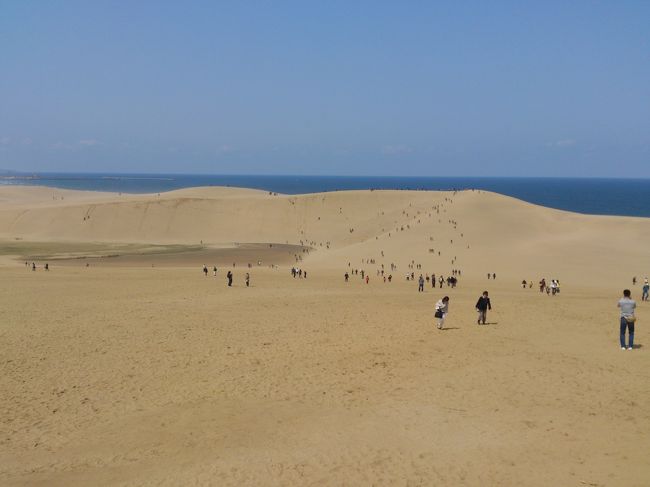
(551, 288)
(626, 304)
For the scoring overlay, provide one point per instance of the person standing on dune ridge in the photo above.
(229, 277)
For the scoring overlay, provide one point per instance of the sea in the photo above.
(628, 197)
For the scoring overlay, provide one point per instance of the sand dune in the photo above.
(147, 374)
(490, 232)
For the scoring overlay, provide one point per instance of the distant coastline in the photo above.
(623, 197)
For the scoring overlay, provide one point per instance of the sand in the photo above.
(141, 371)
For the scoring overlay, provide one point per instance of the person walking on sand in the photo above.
(205, 270)
(482, 305)
(229, 277)
(421, 284)
(442, 308)
(214, 270)
(248, 279)
(347, 276)
(627, 306)
(646, 290)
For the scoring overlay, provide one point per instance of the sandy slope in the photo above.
(150, 375)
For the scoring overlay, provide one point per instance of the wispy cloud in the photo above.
(61, 146)
(80, 144)
(562, 143)
(15, 141)
(391, 150)
(88, 143)
(224, 149)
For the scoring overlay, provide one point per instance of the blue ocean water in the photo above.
(629, 197)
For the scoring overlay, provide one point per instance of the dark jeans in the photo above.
(630, 328)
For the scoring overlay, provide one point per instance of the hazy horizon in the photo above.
(287, 175)
(293, 89)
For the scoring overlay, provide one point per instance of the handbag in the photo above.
(438, 314)
(630, 319)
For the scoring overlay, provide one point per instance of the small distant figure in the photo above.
(33, 266)
(494, 276)
(634, 281)
(482, 306)
(205, 270)
(390, 277)
(646, 289)
(248, 279)
(627, 306)
(523, 284)
(229, 277)
(47, 266)
(367, 279)
(442, 308)
(542, 285)
(489, 276)
(421, 284)
(347, 277)
(214, 270)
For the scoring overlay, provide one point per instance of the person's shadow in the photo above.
(637, 345)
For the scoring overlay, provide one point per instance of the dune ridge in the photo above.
(471, 230)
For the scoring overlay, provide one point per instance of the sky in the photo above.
(427, 88)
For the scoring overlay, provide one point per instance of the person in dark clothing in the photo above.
(421, 284)
(229, 277)
(482, 305)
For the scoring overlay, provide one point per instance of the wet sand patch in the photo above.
(135, 255)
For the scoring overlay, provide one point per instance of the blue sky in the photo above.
(337, 87)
